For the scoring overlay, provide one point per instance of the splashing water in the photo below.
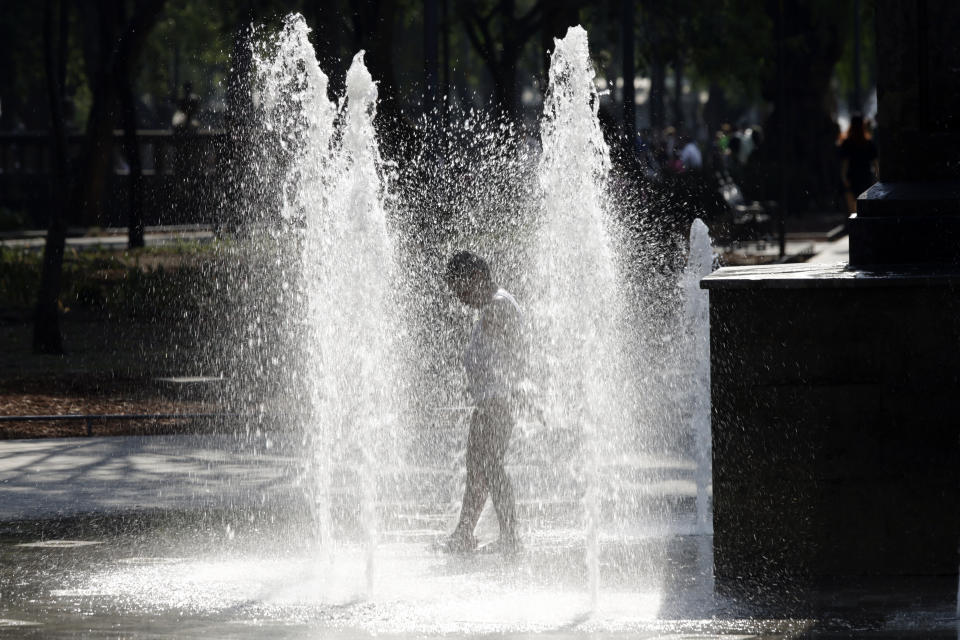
(346, 247)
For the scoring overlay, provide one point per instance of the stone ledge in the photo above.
(885, 199)
(933, 240)
(829, 276)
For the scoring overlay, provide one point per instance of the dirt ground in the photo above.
(109, 368)
(89, 395)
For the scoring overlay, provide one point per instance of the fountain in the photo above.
(577, 462)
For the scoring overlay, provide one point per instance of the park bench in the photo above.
(746, 219)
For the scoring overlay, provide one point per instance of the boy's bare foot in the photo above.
(458, 543)
(507, 546)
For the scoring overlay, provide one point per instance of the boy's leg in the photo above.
(475, 491)
(501, 492)
(498, 427)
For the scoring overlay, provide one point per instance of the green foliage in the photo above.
(730, 43)
(191, 43)
(23, 88)
(13, 220)
(19, 277)
(155, 284)
(868, 62)
(22, 81)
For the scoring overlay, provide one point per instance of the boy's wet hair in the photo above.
(465, 264)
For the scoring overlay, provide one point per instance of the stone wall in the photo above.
(836, 423)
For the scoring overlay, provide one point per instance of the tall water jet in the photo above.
(332, 197)
(299, 117)
(576, 293)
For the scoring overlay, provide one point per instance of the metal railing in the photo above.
(28, 152)
(89, 418)
(180, 174)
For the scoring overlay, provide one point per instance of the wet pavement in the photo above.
(69, 476)
(192, 537)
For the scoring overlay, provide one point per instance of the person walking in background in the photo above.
(690, 157)
(858, 155)
(495, 362)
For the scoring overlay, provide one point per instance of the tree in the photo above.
(629, 54)
(800, 131)
(499, 35)
(115, 42)
(127, 52)
(46, 330)
(431, 54)
(113, 59)
(725, 43)
(562, 15)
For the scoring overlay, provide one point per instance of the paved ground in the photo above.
(832, 252)
(150, 583)
(66, 476)
(71, 476)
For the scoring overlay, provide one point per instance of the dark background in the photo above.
(784, 69)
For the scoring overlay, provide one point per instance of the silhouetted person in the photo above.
(494, 361)
(754, 170)
(691, 159)
(188, 108)
(732, 162)
(858, 157)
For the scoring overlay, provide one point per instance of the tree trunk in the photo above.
(505, 94)
(131, 42)
(501, 48)
(716, 111)
(113, 50)
(237, 119)
(97, 146)
(797, 154)
(46, 330)
(629, 70)
(445, 59)
(658, 90)
(128, 110)
(431, 47)
(678, 118)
